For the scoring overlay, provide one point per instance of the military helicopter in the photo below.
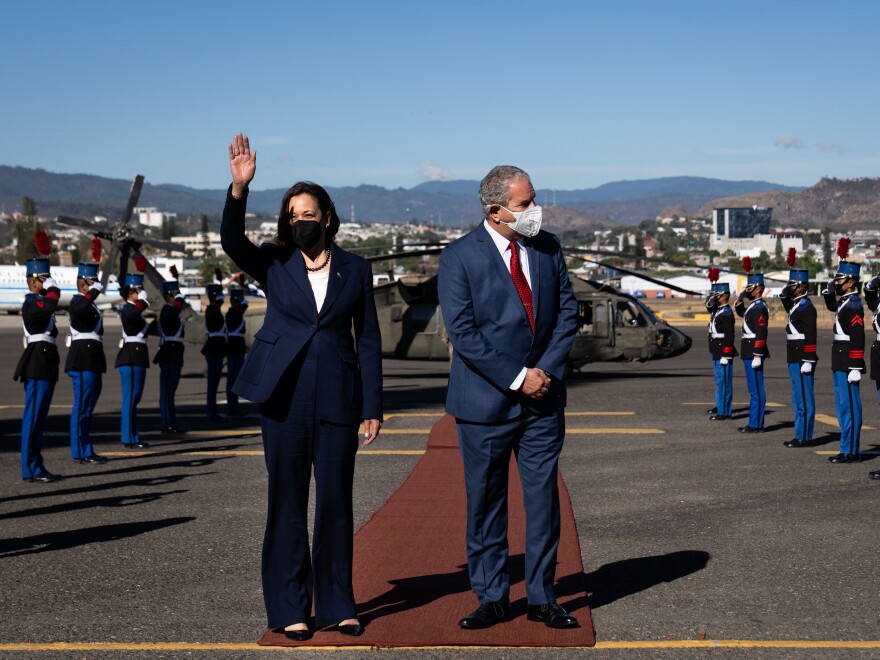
(612, 326)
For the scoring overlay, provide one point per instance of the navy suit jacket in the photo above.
(489, 329)
(349, 383)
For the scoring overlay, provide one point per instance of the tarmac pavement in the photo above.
(691, 533)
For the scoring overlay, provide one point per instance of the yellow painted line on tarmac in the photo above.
(831, 420)
(436, 414)
(769, 404)
(822, 452)
(253, 452)
(614, 431)
(609, 645)
(21, 406)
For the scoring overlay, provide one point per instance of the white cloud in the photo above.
(789, 142)
(433, 172)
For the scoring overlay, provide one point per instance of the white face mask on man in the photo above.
(527, 223)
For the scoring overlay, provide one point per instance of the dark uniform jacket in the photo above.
(848, 347)
(235, 328)
(721, 334)
(754, 327)
(800, 345)
(40, 358)
(872, 298)
(214, 323)
(86, 352)
(171, 332)
(132, 353)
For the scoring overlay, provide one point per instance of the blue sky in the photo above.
(392, 93)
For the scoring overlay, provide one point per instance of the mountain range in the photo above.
(451, 203)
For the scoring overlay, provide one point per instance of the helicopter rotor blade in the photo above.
(78, 223)
(133, 197)
(169, 246)
(109, 265)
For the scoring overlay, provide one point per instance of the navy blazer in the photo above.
(349, 386)
(489, 329)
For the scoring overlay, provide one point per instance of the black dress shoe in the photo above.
(719, 418)
(297, 635)
(351, 629)
(750, 429)
(486, 616)
(552, 615)
(45, 477)
(137, 445)
(94, 459)
(874, 475)
(712, 411)
(794, 442)
(845, 458)
(169, 430)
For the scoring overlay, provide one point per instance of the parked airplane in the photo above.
(13, 287)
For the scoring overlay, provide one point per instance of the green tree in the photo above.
(640, 245)
(626, 245)
(778, 247)
(206, 241)
(24, 231)
(826, 247)
(208, 264)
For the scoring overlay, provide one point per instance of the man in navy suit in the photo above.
(511, 317)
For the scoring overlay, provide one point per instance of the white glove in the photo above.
(180, 297)
(142, 296)
(756, 363)
(97, 286)
(49, 283)
(806, 367)
(854, 376)
(724, 362)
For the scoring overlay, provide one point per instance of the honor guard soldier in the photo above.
(235, 345)
(753, 346)
(132, 361)
(721, 339)
(85, 363)
(38, 366)
(847, 353)
(800, 349)
(214, 349)
(872, 298)
(169, 357)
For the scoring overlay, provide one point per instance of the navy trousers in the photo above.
(485, 451)
(757, 397)
(803, 400)
(295, 443)
(86, 390)
(169, 379)
(215, 370)
(233, 366)
(37, 398)
(723, 387)
(132, 389)
(848, 401)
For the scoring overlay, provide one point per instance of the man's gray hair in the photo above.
(495, 186)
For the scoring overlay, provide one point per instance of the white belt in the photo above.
(134, 340)
(750, 335)
(236, 334)
(841, 337)
(164, 339)
(717, 335)
(799, 335)
(33, 339)
(215, 334)
(86, 335)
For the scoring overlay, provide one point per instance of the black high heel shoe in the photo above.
(298, 635)
(351, 629)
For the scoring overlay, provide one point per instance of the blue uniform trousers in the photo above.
(848, 401)
(233, 366)
(215, 370)
(86, 390)
(295, 443)
(485, 450)
(723, 387)
(169, 378)
(37, 397)
(132, 389)
(757, 397)
(803, 400)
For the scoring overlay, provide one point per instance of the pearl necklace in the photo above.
(326, 261)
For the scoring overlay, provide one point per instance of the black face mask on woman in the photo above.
(306, 234)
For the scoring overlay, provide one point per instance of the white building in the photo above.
(151, 216)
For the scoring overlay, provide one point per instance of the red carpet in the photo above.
(410, 574)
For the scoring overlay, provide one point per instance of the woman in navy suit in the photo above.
(315, 381)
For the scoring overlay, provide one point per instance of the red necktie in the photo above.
(519, 281)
